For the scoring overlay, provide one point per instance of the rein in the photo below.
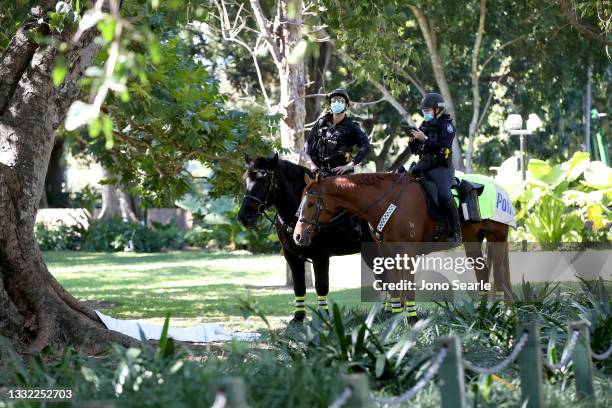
(336, 218)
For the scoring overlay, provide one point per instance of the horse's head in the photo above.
(260, 183)
(315, 210)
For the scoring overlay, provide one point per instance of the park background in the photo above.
(181, 90)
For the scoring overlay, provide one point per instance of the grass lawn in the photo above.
(194, 287)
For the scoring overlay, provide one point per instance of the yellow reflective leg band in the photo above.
(396, 305)
(323, 302)
(300, 304)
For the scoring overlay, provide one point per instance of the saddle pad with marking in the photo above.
(494, 202)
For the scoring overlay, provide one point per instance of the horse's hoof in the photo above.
(412, 320)
(298, 319)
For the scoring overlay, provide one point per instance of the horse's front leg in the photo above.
(299, 285)
(321, 273)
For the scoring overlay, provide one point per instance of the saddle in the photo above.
(466, 191)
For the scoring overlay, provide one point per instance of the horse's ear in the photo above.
(318, 179)
(274, 160)
(247, 158)
(307, 178)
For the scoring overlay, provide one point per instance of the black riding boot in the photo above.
(452, 215)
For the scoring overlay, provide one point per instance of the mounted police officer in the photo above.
(432, 142)
(331, 140)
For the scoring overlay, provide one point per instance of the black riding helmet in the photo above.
(432, 100)
(339, 92)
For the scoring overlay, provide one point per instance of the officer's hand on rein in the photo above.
(343, 169)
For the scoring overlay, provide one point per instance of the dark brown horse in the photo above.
(369, 195)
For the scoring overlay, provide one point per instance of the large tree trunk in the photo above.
(34, 308)
(291, 76)
(118, 203)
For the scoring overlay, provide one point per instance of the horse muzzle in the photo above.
(302, 238)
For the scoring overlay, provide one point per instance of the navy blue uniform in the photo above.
(331, 145)
(435, 154)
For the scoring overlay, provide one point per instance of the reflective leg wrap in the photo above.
(411, 308)
(300, 304)
(387, 306)
(499, 295)
(323, 303)
(396, 305)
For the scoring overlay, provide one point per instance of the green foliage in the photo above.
(566, 202)
(292, 363)
(112, 234)
(62, 238)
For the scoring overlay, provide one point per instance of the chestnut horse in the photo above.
(369, 195)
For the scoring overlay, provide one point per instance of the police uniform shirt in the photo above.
(440, 133)
(346, 133)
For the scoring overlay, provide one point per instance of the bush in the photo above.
(171, 236)
(198, 236)
(112, 234)
(63, 238)
(107, 235)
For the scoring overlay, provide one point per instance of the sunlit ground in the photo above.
(194, 287)
(200, 287)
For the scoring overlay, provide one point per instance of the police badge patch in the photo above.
(450, 128)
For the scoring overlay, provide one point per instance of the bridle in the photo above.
(313, 223)
(264, 203)
(336, 219)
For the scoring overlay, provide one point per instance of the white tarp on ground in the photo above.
(202, 333)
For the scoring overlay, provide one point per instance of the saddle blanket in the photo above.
(494, 202)
(202, 333)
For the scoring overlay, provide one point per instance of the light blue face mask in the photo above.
(337, 107)
(428, 116)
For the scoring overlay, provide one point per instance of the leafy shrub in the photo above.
(112, 234)
(198, 236)
(62, 238)
(107, 235)
(171, 236)
(566, 202)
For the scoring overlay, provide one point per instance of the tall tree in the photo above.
(38, 310)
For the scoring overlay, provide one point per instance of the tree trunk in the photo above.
(316, 68)
(117, 203)
(475, 77)
(427, 27)
(291, 76)
(286, 36)
(35, 309)
(55, 178)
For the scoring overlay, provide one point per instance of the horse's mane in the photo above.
(355, 181)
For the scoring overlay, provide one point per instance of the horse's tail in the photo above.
(498, 249)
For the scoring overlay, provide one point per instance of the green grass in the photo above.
(194, 287)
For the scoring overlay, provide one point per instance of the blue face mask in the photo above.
(428, 116)
(337, 107)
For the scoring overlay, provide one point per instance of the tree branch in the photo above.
(262, 23)
(583, 29)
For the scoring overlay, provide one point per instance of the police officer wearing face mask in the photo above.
(331, 140)
(432, 142)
